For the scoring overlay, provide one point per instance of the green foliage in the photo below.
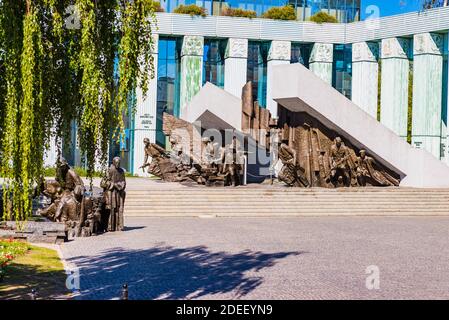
(280, 13)
(9, 250)
(323, 17)
(157, 6)
(238, 12)
(191, 9)
(52, 75)
(410, 104)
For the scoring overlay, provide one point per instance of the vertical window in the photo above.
(342, 69)
(167, 82)
(257, 70)
(213, 62)
(301, 53)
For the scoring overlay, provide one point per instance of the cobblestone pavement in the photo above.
(266, 258)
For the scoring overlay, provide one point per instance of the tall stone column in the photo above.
(321, 59)
(445, 132)
(145, 116)
(394, 86)
(279, 53)
(427, 92)
(191, 69)
(236, 60)
(365, 76)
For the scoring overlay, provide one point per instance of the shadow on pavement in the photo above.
(172, 273)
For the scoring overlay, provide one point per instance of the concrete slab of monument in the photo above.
(299, 90)
(35, 231)
(215, 108)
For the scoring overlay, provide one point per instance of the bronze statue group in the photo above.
(85, 213)
(215, 165)
(224, 165)
(344, 171)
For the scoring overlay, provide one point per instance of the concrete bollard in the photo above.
(33, 294)
(125, 292)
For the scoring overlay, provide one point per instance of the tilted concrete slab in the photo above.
(215, 108)
(299, 90)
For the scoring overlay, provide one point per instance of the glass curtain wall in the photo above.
(170, 5)
(257, 70)
(213, 61)
(168, 77)
(342, 69)
(343, 10)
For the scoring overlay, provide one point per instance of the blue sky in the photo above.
(389, 7)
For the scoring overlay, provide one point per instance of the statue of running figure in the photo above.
(291, 174)
(156, 153)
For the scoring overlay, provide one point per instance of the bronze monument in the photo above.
(114, 195)
(85, 213)
(366, 172)
(291, 174)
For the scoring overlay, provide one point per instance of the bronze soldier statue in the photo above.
(291, 174)
(157, 153)
(180, 159)
(233, 162)
(114, 192)
(340, 174)
(213, 154)
(366, 172)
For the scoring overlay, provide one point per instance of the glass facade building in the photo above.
(343, 10)
(229, 52)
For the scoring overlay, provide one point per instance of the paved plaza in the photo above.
(266, 258)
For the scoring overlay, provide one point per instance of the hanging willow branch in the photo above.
(54, 75)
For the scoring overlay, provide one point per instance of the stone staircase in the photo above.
(157, 199)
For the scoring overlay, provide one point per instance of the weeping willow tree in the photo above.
(58, 63)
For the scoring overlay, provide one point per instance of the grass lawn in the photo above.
(40, 269)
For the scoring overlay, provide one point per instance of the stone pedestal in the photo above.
(394, 87)
(236, 60)
(427, 92)
(279, 53)
(321, 59)
(365, 76)
(145, 116)
(36, 232)
(191, 69)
